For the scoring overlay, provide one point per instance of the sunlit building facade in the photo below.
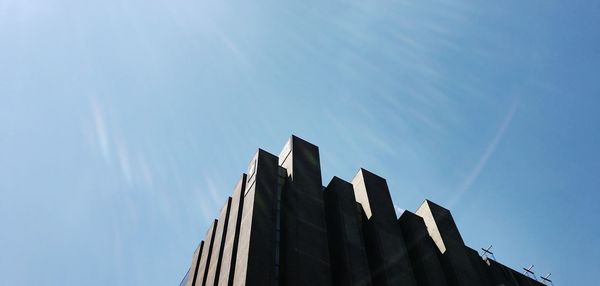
(281, 226)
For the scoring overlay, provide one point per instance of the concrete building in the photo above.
(348, 254)
(282, 227)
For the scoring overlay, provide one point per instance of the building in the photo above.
(282, 227)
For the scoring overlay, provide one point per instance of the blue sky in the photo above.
(124, 125)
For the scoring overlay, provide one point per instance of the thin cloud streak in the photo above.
(101, 131)
(124, 162)
(114, 148)
(489, 151)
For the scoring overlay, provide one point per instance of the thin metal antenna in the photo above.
(487, 253)
(528, 272)
(546, 280)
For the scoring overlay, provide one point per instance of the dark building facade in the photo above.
(282, 227)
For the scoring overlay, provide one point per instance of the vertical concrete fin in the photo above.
(388, 257)
(348, 257)
(301, 160)
(255, 258)
(426, 213)
(305, 254)
(206, 255)
(227, 269)
(195, 265)
(372, 192)
(443, 231)
(218, 245)
(422, 251)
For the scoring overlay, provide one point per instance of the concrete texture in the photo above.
(388, 256)
(423, 253)
(505, 276)
(193, 271)
(348, 256)
(255, 259)
(480, 266)
(304, 248)
(232, 237)
(445, 234)
(214, 267)
(205, 257)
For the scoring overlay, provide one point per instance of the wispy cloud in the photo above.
(124, 162)
(100, 130)
(132, 166)
(489, 151)
(213, 191)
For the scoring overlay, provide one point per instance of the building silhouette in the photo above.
(282, 227)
